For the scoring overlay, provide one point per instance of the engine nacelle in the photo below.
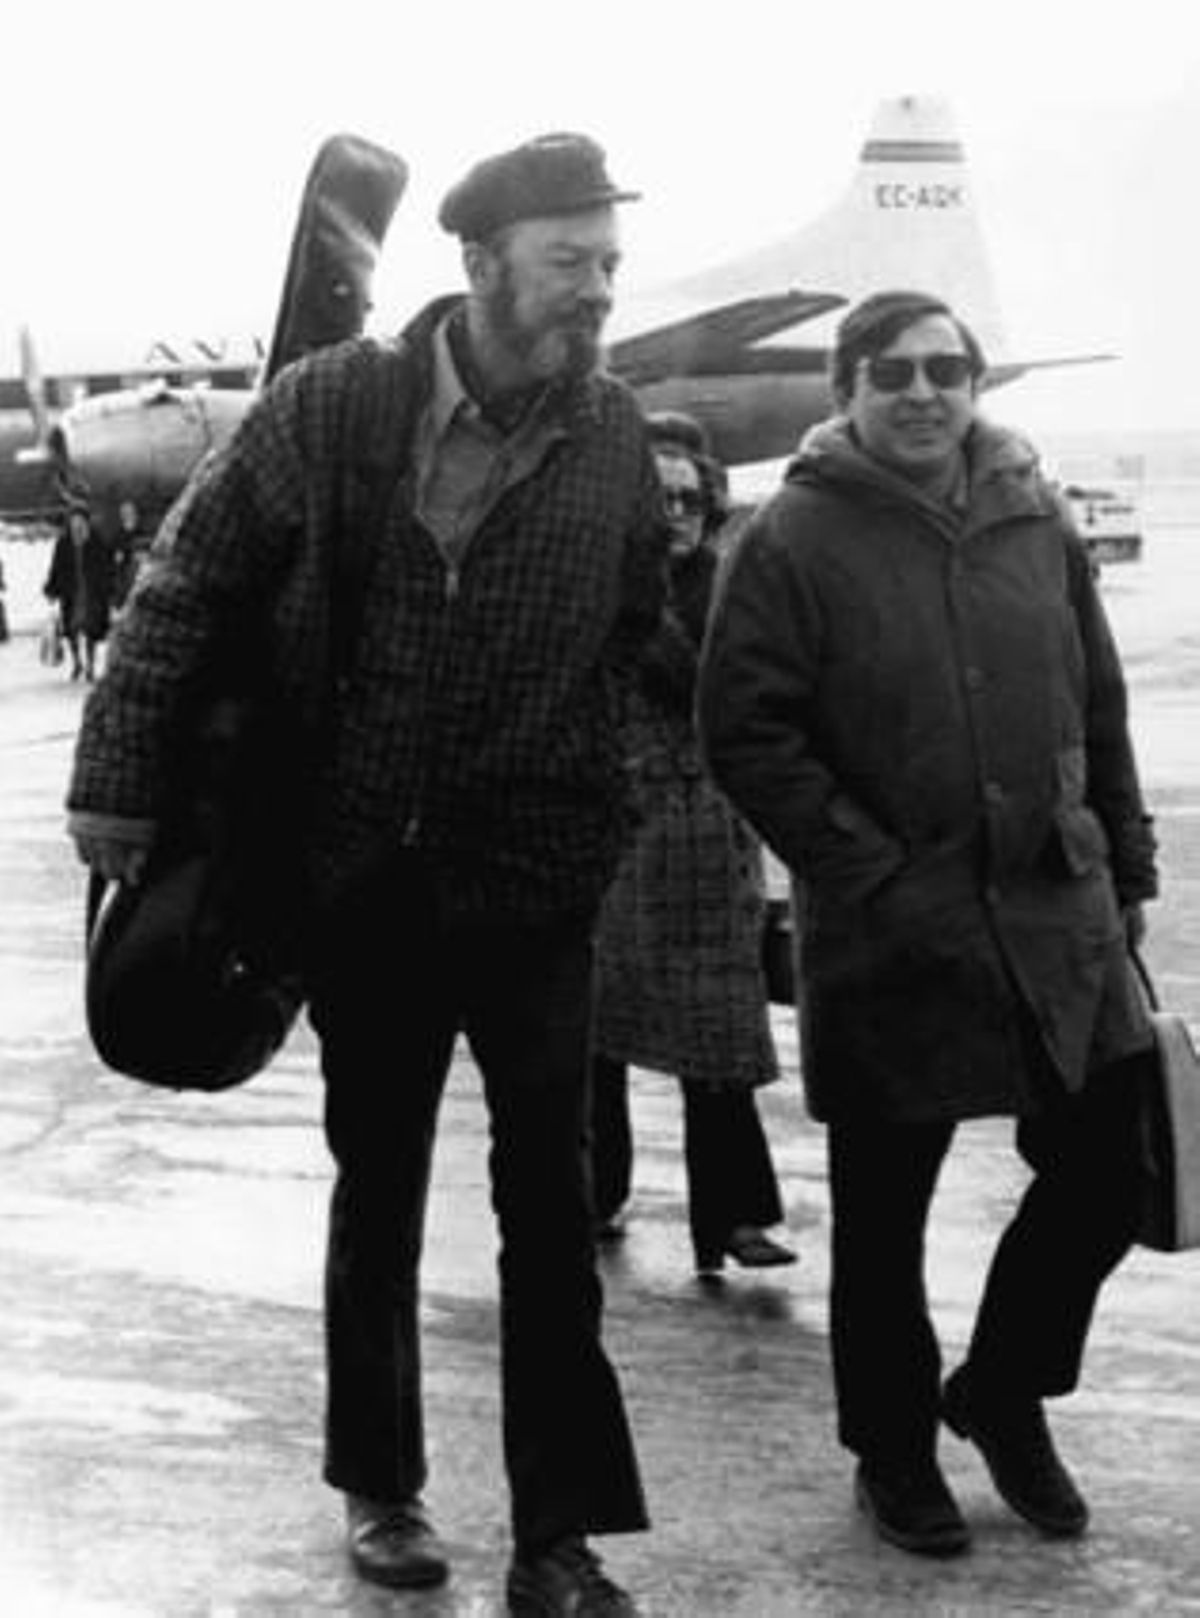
(142, 444)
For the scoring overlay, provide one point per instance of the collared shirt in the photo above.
(464, 462)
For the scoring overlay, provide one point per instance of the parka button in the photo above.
(974, 679)
(993, 793)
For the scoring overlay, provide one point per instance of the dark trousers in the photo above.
(731, 1179)
(1074, 1224)
(396, 985)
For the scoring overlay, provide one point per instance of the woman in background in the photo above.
(80, 581)
(679, 980)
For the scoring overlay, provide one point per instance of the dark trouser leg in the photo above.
(612, 1137)
(731, 1179)
(1074, 1225)
(567, 1444)
(886, 1361)
(383, 1009)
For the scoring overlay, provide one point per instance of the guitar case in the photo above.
(192, 979)
(352, 192)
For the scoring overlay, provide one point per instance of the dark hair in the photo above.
(676, 427)
(876, 322)
(675, 432)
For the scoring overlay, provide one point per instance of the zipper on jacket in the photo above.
(411, 835)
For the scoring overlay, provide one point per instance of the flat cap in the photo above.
(552, 174)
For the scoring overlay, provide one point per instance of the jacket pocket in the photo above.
(855, 858)
(1071, 772)
(1079, 840)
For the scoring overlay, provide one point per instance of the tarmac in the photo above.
(160, 1335)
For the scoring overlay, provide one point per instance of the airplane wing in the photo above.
(709, 341)
(1012, 370)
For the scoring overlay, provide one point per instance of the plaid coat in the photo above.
(679, 975)
(470, 714)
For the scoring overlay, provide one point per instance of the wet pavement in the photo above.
(160, 1336)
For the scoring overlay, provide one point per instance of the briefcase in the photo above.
(1169, 1215)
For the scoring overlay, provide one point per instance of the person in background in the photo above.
(463, 804)
(129, 550)
(679, 979)
(80, 582)
(910, 688)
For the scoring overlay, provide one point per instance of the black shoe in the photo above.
(748, 1246)
(1013, 1438)
(564, 1579)
(910, 1505)
(393, 1543)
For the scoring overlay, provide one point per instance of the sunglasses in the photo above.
(893, 373)
(683, 502)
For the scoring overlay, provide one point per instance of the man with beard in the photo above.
(453, 547)
(911, 691)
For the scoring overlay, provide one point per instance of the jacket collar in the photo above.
(1005, 480)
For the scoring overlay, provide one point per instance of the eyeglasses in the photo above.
(893, 373)
(683, 502)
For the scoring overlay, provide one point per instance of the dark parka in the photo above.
(925, 718)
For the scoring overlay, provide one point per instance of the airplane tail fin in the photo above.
(908, 219)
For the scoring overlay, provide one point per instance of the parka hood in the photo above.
(1006, 478)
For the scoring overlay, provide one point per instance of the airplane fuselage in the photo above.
(751, 416)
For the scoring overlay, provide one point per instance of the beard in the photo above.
(562, 345)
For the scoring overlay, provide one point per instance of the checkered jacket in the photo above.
(473, 716)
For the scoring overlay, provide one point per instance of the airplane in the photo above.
(725, 344)
(908, 219)
(141, 443)
(31, 405)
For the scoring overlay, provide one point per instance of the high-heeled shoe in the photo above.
(748, 1246)
(608, 1229)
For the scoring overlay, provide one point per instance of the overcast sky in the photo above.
(153, 153)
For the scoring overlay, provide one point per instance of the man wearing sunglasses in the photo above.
(911, 691)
